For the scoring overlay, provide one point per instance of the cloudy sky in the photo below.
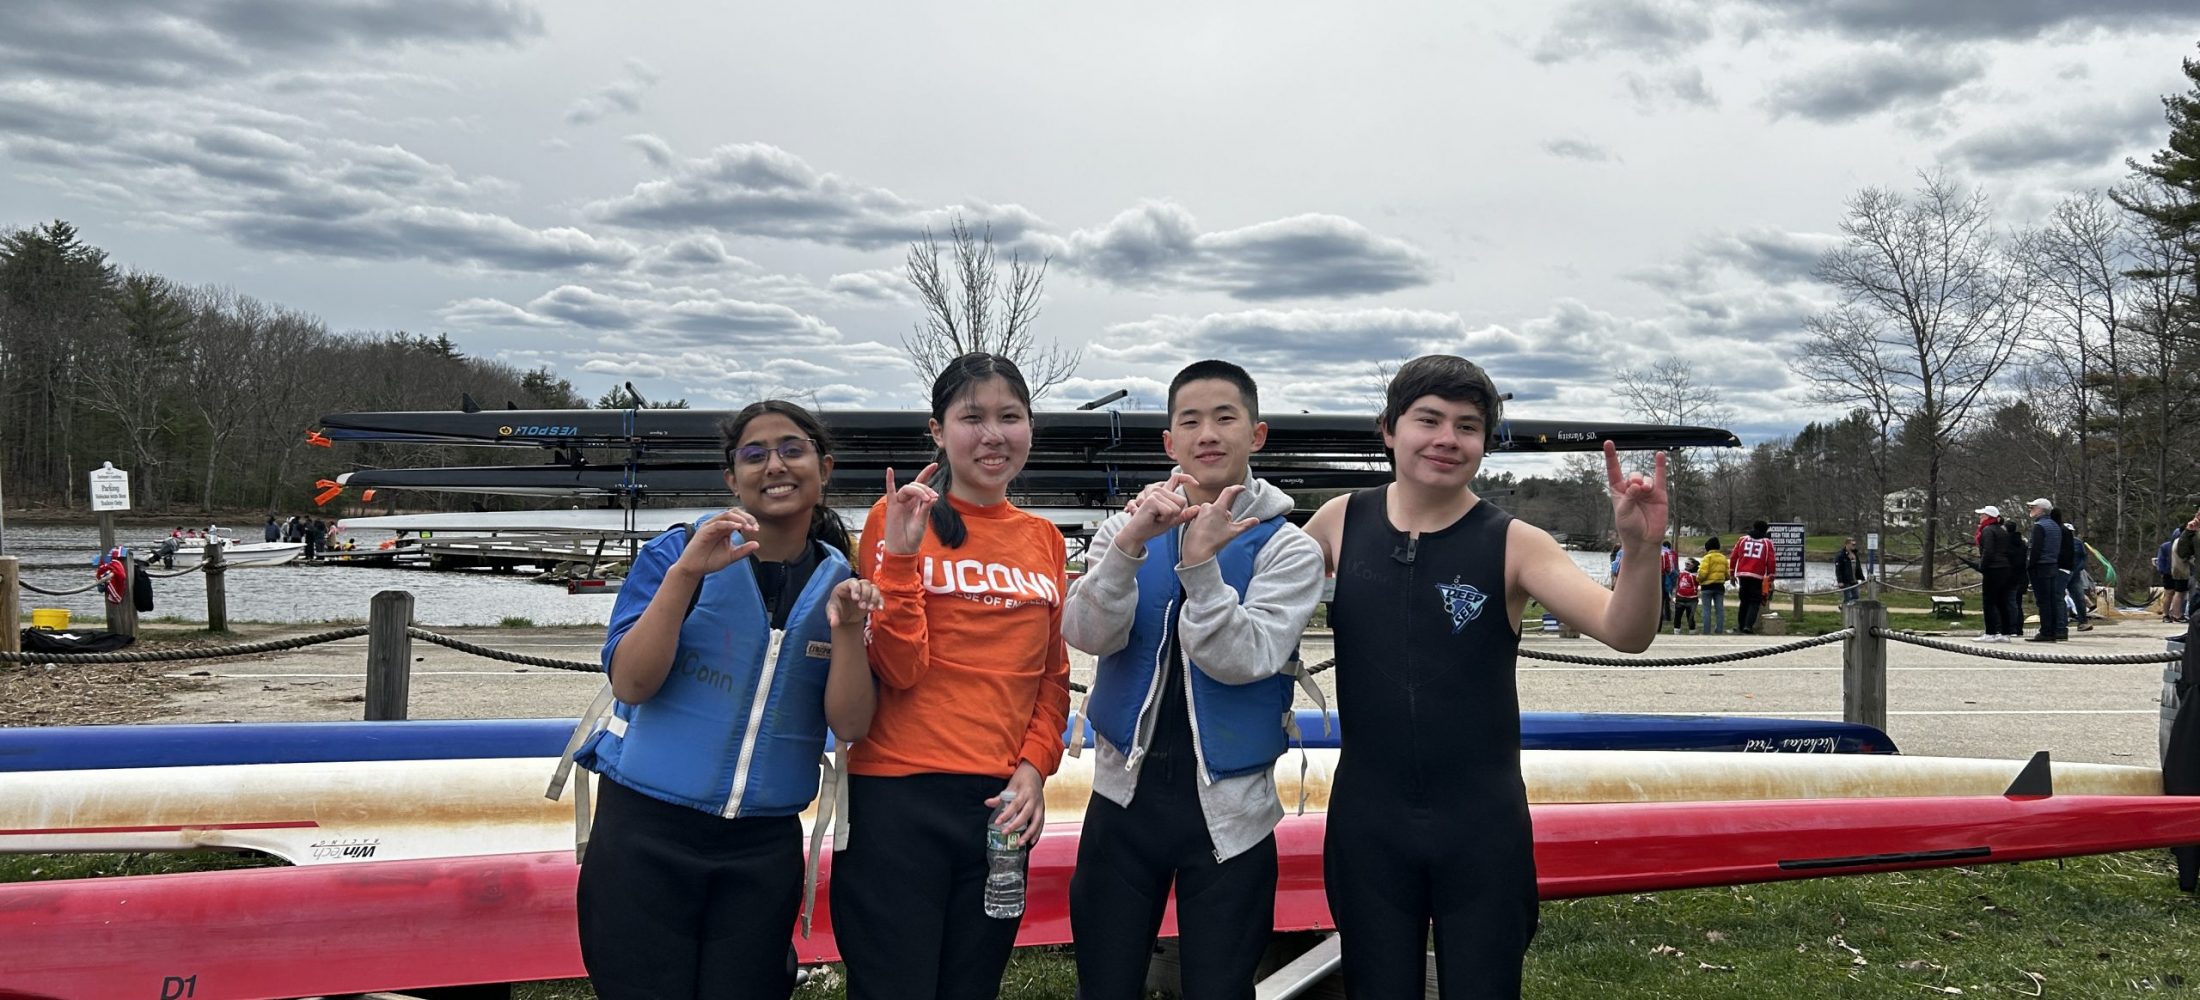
(712, 200)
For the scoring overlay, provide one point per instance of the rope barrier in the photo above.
(497, 654)
(196, 653)
(1690, 661)
(2106, 660)
(186, 571)
(36, 589)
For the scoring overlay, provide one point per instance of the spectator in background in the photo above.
(1848, 570)
(273, 532)
(1685, 593)
(2174, 576)
(2078, 582)
(2045, 573)
(2001, 563)
(1753, 563)
(1711, 577)
(1669, 574)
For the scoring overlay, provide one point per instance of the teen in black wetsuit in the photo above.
(1428, 817)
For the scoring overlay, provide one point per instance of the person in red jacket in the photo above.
(1685, 592)
(1752, 561)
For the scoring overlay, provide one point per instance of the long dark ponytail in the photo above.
(825, 523)
(955, 381)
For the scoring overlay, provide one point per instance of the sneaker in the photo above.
(2085, 626)
(2042, 637)
(1987, 638)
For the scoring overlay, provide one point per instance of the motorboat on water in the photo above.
(236, 552)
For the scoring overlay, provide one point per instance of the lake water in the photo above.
(60, 558)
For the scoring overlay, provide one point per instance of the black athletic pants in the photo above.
(1126, 860)
(2004, 597)
(675, 902)
(1753, 600)
(1402, 877)
(908, 891)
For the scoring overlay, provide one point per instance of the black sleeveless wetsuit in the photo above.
(1428, 816)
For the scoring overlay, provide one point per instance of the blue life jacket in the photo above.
(739, 725)
(1236, 728)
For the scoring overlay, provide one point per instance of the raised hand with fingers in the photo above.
(1156, 509)
(1638, 504)
(712, 548)
(1211, 527)
(908, 510)
(852, 600)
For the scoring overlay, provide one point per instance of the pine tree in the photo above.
(2175, 169)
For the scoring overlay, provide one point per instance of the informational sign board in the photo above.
(1787, 550)
(1871, 550)
(110, 488)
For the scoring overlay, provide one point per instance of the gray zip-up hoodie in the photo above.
(1232, 642)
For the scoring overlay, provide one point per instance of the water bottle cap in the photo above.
(1007, 797)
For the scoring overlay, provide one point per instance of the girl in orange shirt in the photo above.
(973, 693)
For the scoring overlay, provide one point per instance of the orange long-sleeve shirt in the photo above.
(973, 674)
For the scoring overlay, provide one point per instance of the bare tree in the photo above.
(970, 306)
(2078, 259)
(1932, 309)
(1668, 392)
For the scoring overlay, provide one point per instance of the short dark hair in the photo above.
(1447, 377)
(1711, 544)
(1223, 370)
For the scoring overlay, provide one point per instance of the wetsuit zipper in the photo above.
(1413, 693)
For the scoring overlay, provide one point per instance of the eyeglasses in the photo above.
(790, 451)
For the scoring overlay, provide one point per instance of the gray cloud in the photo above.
(1579, 149)
(274, 182)
(652, 319)
(756, 189)
(657, 151)
(1646, 27)
(621, 96)
(156, 42)
(2086, 138)
(1298, 340)
(426, 232)
(1159, 245)
(1682, 87)
(1870, 81)
(1963, 20)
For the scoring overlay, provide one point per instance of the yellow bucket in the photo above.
(50, 618)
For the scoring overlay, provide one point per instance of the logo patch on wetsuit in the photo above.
(1462, 602)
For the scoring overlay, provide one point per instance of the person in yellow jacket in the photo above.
(1711, 576)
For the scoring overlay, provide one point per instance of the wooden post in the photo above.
(11, 608)
(126, 612)
(1864, 665)
(217, 588)
(389, 655)
(1798, 616)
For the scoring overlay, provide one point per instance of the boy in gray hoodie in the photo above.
(1193, 598)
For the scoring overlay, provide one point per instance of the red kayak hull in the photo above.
(285, 932)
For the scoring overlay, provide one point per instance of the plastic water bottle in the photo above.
(1004, 867)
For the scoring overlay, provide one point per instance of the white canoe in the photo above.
(314, 813)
